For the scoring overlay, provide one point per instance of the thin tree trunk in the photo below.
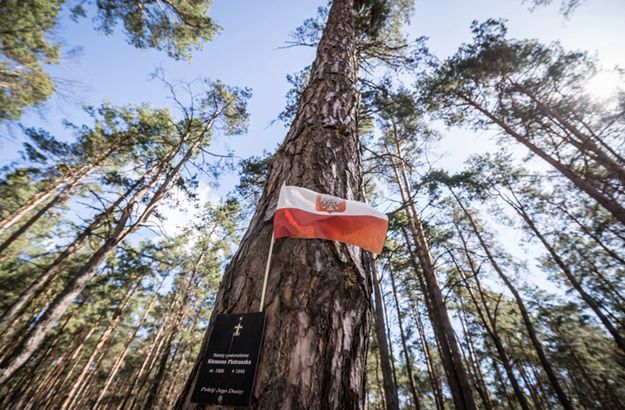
(160, 373)
(70, 181)
(530, 386)
(480, 384)
(455, 370)
(318, 296)
(62, 301)
(518, 207)
(608, 203)
(77, 384)
(59, 198)
(10, 316)
(378, 381)
(389, 338)
(581, 368)
(527, 321)
(157, 342)
(390, 389)
(585, 143)
(592, 235)
(489, 322)
(406, 352)
(432, 372)
(502, 385)
(122, 356)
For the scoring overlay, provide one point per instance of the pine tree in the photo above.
(318, 304)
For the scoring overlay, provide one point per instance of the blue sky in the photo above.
(247, 53)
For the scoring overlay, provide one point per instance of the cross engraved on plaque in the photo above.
(238, 328)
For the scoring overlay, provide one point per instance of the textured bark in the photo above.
(318, 295)
(390, 390)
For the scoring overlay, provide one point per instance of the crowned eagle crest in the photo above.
(328, 203)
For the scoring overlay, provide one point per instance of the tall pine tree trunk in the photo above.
(404, 344)
(457, 376)
(318, 297)
(390, 390)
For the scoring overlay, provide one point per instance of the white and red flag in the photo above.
(302, 213)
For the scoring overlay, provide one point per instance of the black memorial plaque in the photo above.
(228, 368)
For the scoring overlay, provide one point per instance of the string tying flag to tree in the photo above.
(302, 213)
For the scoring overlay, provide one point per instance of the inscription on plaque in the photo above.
(229, 363)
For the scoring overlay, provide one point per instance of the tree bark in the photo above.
(318, 296)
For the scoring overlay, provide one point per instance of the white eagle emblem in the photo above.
(328, 203)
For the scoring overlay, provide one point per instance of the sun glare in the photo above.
(605, 84)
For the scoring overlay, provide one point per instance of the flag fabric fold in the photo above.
(302, 213)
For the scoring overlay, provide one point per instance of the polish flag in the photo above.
(302, 213)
